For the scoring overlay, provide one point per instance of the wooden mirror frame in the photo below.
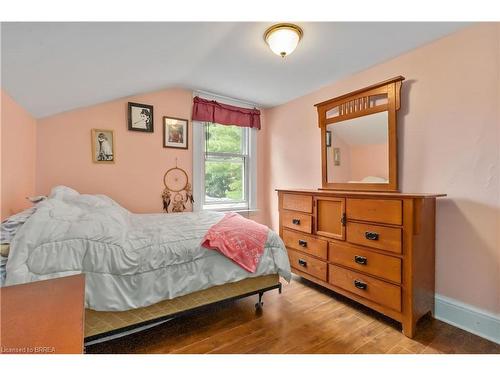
(357, 104)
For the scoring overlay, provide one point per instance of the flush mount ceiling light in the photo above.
(283, 38)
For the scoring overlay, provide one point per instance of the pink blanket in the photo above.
(241, 240)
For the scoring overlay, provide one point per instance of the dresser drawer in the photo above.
(366, 261)
(297, 221)
(375, 236)
(378, 291)
(307, 264)
(297, 202)
(386, 211)
(305, 243)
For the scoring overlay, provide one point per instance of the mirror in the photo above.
(357, 150)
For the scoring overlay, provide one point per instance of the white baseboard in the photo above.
(468, 318)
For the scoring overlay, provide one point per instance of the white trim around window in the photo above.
(199, 173)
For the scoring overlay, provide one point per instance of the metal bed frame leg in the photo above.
(258, 305)
(132, 328)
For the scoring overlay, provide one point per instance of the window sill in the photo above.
(232, 209)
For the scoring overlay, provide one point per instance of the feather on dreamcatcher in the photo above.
(177, 193)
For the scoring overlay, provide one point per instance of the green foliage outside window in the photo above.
(223, 138)
(224, 177)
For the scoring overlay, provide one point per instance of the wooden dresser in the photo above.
(375, 248)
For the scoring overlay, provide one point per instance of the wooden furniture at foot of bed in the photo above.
(375, 248)
(105, 325)
(43, 317)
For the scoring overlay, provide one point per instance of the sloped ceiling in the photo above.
(54, 67)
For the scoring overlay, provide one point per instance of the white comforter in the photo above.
(129, 260)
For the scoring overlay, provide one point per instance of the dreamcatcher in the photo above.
(177, 192)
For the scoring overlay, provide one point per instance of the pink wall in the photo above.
(449, 143)
(18, 140)
(136, 179)
(369, 160)
(342, 172)
(357, 162)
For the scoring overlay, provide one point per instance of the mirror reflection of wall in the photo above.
(359, 150)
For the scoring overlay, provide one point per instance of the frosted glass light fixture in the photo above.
(283, 38)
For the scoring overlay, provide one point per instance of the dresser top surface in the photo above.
(46, 314)
(362, 193)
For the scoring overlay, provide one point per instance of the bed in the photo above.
(139, 268)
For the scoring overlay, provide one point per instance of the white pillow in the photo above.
(374, 180)
(60, 192)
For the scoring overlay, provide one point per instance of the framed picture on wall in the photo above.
(336, 156)
(103, 146)
(175, 132)
(140, 117)
(328, 138)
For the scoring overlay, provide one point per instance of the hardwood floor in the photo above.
(304, 319)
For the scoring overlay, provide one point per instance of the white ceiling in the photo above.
(54, 67)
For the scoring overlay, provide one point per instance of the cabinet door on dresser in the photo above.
(330, 217)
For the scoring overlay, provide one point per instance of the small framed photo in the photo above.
(103, 146)
(175, 132)
(336, 156)
(140, 117)
(328, 139)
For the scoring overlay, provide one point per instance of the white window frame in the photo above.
(199, 164)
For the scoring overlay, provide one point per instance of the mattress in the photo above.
(130, 260)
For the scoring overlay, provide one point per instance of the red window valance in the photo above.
(212, 111)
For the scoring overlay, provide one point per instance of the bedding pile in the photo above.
(3, 269)
(130, 260)
(11, 225)
(8, 230)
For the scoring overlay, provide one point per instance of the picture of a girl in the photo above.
(105, 151)
(144, 120)
(103, 146)
(140, 117)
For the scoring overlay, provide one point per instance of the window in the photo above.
(224, 167)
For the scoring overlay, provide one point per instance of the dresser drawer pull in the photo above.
(303, 243)
(372, 236)
(360, 284)
(296, 221)
(302, 263)
(343, 220)
(360, 260)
